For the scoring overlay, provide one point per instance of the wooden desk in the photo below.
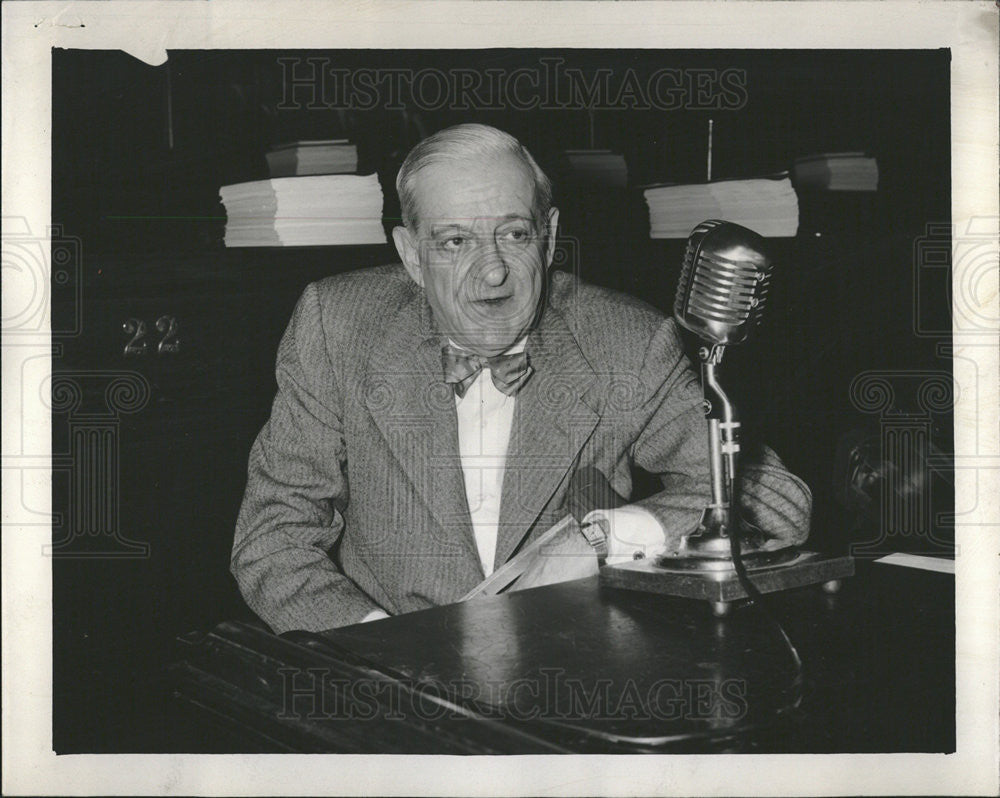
(578, 667)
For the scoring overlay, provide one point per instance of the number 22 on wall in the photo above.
(169, 343)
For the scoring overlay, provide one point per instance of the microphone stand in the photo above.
(710, 547)
(711, 537)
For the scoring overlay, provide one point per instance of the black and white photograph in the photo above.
(491, 395)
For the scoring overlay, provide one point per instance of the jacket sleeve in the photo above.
(291, 515)
(673, 444)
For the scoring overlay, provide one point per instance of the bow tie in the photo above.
(509, 372)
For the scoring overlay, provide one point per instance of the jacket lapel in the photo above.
(415, 412)
(553, 419)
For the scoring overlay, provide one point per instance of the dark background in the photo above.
(139, 153)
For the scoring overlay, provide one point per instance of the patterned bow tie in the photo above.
(509, 372)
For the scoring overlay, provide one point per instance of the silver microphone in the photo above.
(724, 282)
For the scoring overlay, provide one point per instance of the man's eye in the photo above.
(454, 242)
(517, 235)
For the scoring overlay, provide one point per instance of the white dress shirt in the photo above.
(485, 415)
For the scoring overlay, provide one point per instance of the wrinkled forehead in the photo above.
(478, 193)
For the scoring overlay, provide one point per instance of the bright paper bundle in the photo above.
(304, 211)
(768, 206)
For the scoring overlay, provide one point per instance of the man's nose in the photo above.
(495, 273)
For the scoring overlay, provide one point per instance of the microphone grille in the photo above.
(724, 282)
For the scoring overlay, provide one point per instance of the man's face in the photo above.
(478, 251)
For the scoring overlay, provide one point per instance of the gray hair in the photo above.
(467, 142)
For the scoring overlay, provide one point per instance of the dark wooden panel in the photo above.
(150, 462)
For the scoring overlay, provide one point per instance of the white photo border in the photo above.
(148, 29)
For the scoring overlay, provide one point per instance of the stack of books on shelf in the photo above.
(766, 205)
(598, 168)
(333, 157)
(304, 211)
(836, 171)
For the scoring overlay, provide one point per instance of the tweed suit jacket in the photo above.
(355, 497)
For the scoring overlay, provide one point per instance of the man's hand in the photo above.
(567, 556)
(632, 531)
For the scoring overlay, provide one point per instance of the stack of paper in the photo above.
(304, 211)
(768, 206)
(836, 171)
(598, 167)
(333, 157)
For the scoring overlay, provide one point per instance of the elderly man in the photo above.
(430, 416)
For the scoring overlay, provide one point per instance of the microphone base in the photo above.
(723, 565)
(718, 584)
(709, 546)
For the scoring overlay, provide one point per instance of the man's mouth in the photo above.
(493, 301)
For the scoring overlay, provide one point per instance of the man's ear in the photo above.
(550, 241)
(409, 253)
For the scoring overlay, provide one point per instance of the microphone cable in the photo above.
(755, 596)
